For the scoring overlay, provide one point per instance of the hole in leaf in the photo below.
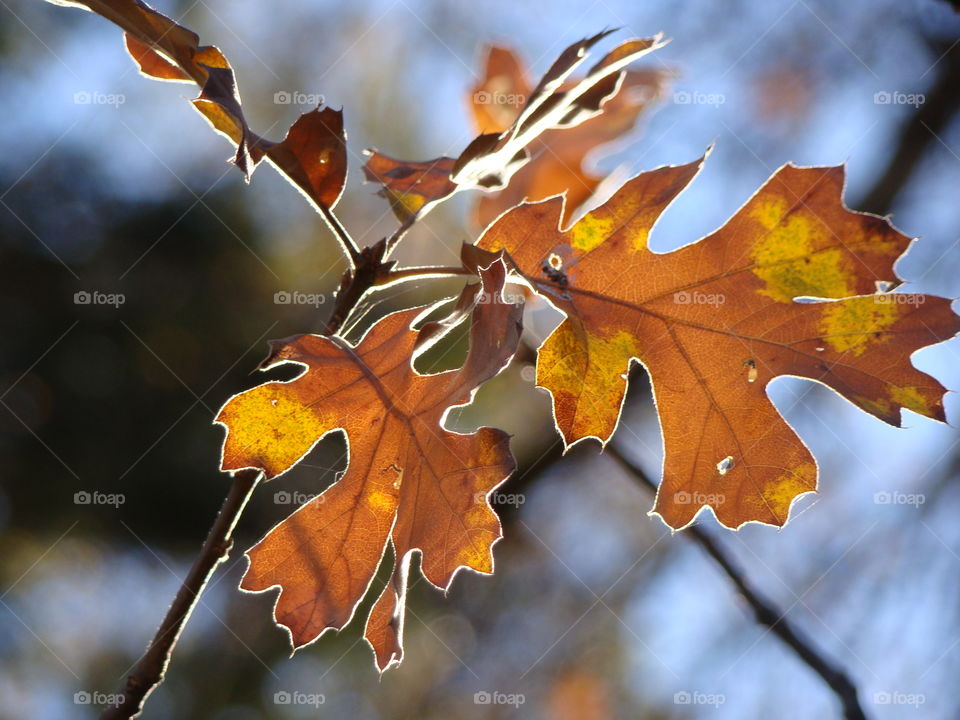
(725, 465)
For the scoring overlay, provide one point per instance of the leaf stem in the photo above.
(347, 243)
(150, 670)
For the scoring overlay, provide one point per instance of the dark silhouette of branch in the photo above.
(149, 671)
(765, 611)
(940, 105)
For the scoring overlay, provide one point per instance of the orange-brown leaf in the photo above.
(165, 50)
(410, 187)
(409, 481)
(715, 321)
(313, 155)
(558, 156)
(493, 157)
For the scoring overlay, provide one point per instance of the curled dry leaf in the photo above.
(409, 482)
(492, 158)
(312, 156)
(715, 321)
(557, 156)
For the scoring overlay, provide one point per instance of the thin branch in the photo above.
(349, 245)
(765, 611)
(921, 131)
(149, 671)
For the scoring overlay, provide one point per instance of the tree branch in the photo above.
(765, 611)
(149, 671)
(922, 129)
(347, 243)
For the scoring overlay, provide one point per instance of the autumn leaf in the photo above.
(491, 159)
(557, 156)
(312, 156)
(715, 321)
(410, 483)
(409, 186)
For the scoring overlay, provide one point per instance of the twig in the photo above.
(349, 245)
(149, 671)
(922, 130)
(765, 611)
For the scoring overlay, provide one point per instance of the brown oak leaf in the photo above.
(716, 320)
(410, 483)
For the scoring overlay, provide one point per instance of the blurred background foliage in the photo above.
(595, 611)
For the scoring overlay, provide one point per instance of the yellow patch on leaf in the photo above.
(912, 398)
(852, 325)
(779, 495)
(591, 231)
(586, 373)
(785, 258)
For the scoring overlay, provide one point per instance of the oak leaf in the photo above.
(491, 158)
(313, 154)
(410, 483)
(557, 156)
(716, 320)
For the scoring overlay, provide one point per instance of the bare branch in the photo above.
(149, 671)
(765, 611)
